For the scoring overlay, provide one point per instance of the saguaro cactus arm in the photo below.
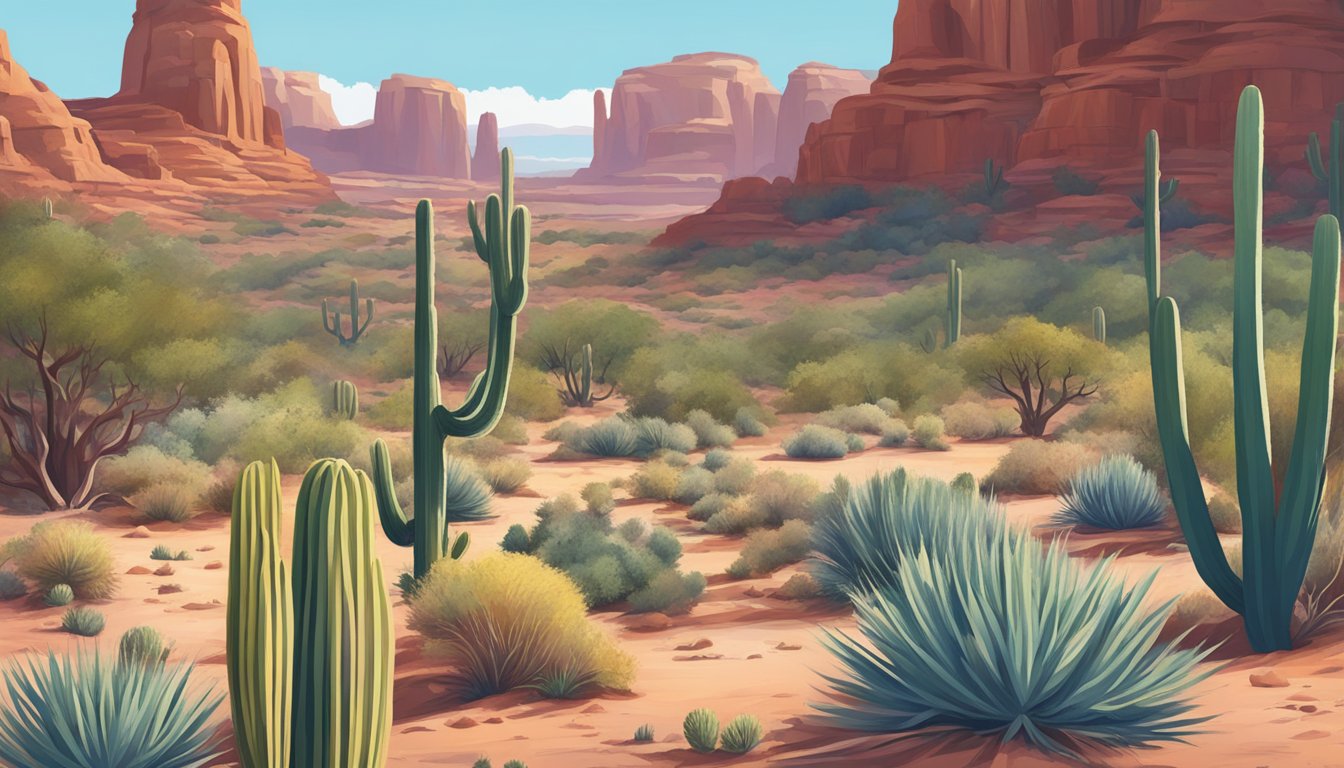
(331, 322)
(1331, 170)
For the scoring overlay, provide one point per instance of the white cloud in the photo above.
(515, 106)
(353, 103)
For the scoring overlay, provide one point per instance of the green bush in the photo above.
(768, 550)
(736, 517)
(1225, 513)
(708, 432)
(746, 423)
(506, 475)
(1095, 672)
(1037, 467)
(894, 434)
(1068, 182)
(564, 432)
(735, 478)
(610, 438)
(652, 434)
(162, 552)
(66, 552)
(780, 497)
(1115, 494)
(141, 645)
(532, 395)
(927, 432)
(669, 592)
(716, 459)
(971, 420)
(800, 586)
(516, 540)
(701, 729)
(12, 586)
(59, 596)
(508, 620)
(708, 506)
(829, 204)
(694, 484)
(145, 715)
(817, 442)
(147, 466)
(83, 621)
(598, 498)
(656, 480)
(644, 734)
(466, 496)
(165, 503)
(742, 734)
(866, 419)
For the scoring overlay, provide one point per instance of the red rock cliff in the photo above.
(695, 116)
(485, 163)
(299, 99)
(809, 97)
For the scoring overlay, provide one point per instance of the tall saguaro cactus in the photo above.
(259, 627)
(953, 304)
(1330, 171)
(1279, 527)
(503, 243)
(331, 322)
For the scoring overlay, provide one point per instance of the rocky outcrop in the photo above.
(299, 99)
(485, 162)
(419, 128)
(812, 92)
(39, 135)
(693, 117)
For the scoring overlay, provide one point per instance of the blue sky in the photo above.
(547, 47)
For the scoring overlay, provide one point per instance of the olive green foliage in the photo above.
(532, 395)
(66, 552)
(644, 733)
(709, 433)
(83, 621)
(12, 586)
(168, 503)
(768, 550)
(927, 433)
(60, 595)
(162, 552)
(614, 330)
(1038, 467)
(817, 442)
(141, 645)
(742, 734)
(978, 420)
(507, 474)
(701, 729)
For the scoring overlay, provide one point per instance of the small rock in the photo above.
(140, 532)
(170, 589)
(417, 729)
(153, 601)
(1302, 697)
(138, 570)
(213, 565)
(649, 622)
(697, 645)
(699, 657)
(1270, 679)
(1314, 734)
(203, 606)
(753, 592)
(463, 722)
(496, 720)
(755, 656)
(788, 647)
(164, 570)
(1179, 547)
(209, 548)
(1308, 708)
(593, 709)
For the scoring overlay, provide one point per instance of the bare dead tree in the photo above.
(453, 360)
(1028, 380)
(575, 372)
(60, 428)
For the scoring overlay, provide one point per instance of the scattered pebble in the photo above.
(496, 720)
(1308, 708)
(140, 532)
(649, 622)
(753, 592)
(209, 548)
(788, 647)
(203, 606)
(213, 565)
(138, 570)
(164, 570)
(755, 656)
(699, 657)
(697, 645)
(1270, 679)
(463, 722)
(417, 729)
(170, 589)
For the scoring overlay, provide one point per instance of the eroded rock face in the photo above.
(485, 163)
(38, 132)
(812, 92)
(299, 99)
(693, 117)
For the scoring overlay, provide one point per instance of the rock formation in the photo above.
(419, 128)
(693, 117)
(485, 163)
(299, 99)
(812, 92)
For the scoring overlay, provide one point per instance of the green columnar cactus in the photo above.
(1332, 175)
(1099, 324)
(343, 644)
(993, 178)
(259, 633)
(1279, 526)
(345, 400)
(503, 244)
(331, 322)
(47, 207)
(953, 304)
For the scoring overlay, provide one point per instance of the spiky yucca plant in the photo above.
(1115, 494)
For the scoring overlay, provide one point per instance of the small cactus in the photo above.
(644, 733)
(742, 734)
(1330, 171)
(701, 729)
(331, 322)
(993, 178)
(953, 304)
(85, 622)
(141, 645)
(60, 595)
(1099, 324)
(345, 400)
(47, 208)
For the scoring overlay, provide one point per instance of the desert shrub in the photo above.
(1194, 608)
(506, 475)
(613, 438)
(532, 395)
(709, 433)
(735, 477)
(393, 411)
(168, 503)
(765, 551)
(742, 734)
(927, 432)
(83, 621)
(656, 480)
(854, 443)
(218, 496)
(970, 420)
(863, 544)
(736, 517)
(161, 552)
(84, 711)
(652, 434)
(694, 484)
(894, 434)
(147, 466)
(598, 498)
(509, 620)
(478, 449)
(564, 432)
(59, 596)
(746, 423)
(889, 406)
(631, 530)
(669, 592)
(829, 204)
(672, 458)
(466, 496)
(709, 506)
(141, 645)
(516, 540)
(510, 430)
(779, 497)
(1115, 494)
(716, 459)
(1068, 182)
(1225, 513)
(965, 482)
(644, 734)
(817, 442)
(701, 729)
(291, 426)
(67, 552)
(866, 418)
(677, 378)
(800, 586)
(881, 369)
(1037, 467)
(1095, 672)
(12, 586)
